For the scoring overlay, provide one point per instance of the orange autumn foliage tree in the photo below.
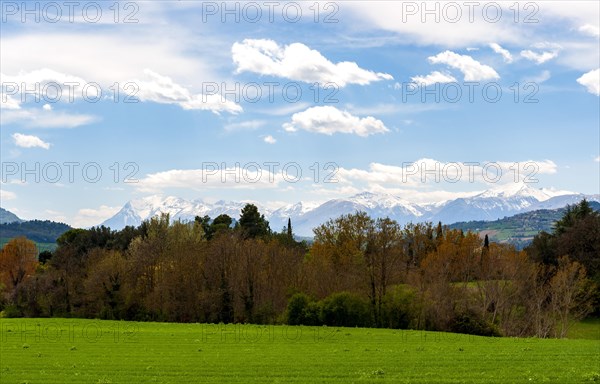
(18, 260)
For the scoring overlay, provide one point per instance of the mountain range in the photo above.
(489, 205)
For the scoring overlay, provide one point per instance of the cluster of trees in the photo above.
(357, 272)
(576, 234)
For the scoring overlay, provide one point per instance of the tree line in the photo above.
(359, 271)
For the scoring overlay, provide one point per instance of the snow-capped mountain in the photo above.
(488, 205)
(375, 205)
(136, 211)
(517, 190)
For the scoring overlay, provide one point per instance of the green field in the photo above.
(90, 351)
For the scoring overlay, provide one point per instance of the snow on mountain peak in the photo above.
(492, 204)
(520, 189)
(372, 200)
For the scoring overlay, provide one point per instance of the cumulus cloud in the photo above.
(328, 120)
(298, 62)
(504, 52)
(433, 78)
(162, 89)
(29, 141)
(591, 80)
(269, 139)
(472, 69)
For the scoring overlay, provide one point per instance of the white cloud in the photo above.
(39, 118)
(162, 89)
(539, 58)
(550, 51)
(46, 84)
(250, 125)
(212, 176)
(269, 139)
(88, 217)
(426, 172)
(589, 30)
(472, 69)
(433, 78)
(29, 141)
(597, 159)
(298, 62)
(504, 52)
(591, 80)
(328, 120)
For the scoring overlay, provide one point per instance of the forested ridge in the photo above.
(41, 231)
(358, 272)
(518, 229)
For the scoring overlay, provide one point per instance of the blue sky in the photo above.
(388, 90)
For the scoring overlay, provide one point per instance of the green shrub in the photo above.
(296, 309)
(398, 310)
(345, 310)
(12, 311)
(313, 313)
(470, 323)
(264, 315)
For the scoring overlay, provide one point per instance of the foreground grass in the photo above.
(89, 351)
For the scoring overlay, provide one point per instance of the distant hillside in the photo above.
(519, 229)
(8, 217)
(44, 232)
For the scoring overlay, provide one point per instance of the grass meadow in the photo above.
(93, 351)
